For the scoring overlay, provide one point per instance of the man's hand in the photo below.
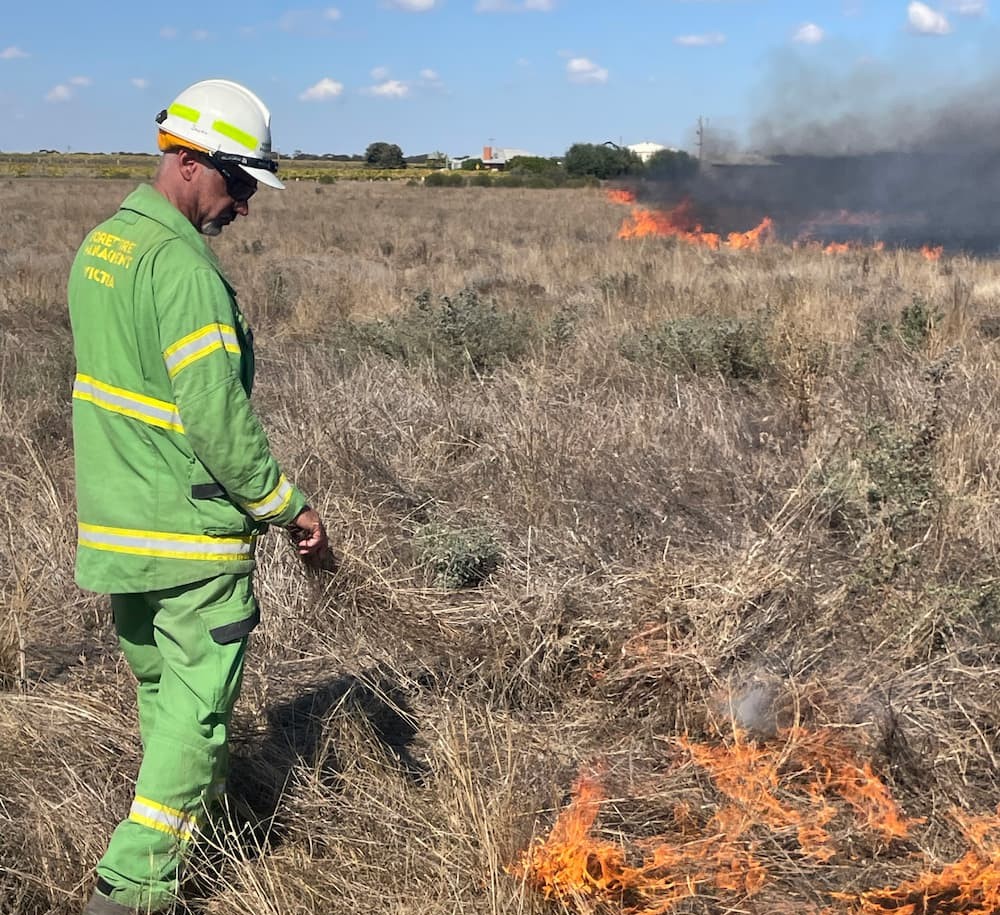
(309, 536)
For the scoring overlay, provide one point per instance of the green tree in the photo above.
(600, 161)
(537, 168)
(672, 165)
(384, 155)
(471, 165)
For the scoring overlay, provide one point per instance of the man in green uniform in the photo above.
(175, 478)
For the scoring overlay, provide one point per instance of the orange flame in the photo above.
(619, 195)
(791, 788)
(679, 222)
(837, 247)
(932, 253)
(572, 866)
(751, 240)
(970, 886)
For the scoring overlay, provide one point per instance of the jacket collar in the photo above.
(149, 202)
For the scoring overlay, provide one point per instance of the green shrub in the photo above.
(458, 557)
(563, 327)
(481, 179)
(916, 322)
(116, 173)
(327, 179)
(444, 179)
(900, 471)
(463, 332)
(733, 348)
(510, 181)
(539, 181)
(913, 327)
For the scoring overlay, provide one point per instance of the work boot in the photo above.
(103, 905)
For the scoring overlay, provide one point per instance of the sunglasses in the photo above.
(238, 186)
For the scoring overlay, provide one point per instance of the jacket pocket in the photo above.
(216, 513)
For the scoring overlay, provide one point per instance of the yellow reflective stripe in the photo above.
(234, 133)
(183, 111)
(274, 503)
(199, 344)
(162, 818)
(160, 827)
(159, 413)
(165, 545)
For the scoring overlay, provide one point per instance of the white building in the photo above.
(646, 150)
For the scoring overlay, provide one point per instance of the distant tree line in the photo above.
(600, 161)
(592, 161)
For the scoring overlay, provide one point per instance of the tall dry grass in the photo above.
(702, 469)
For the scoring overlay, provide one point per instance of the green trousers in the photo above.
(186, 647)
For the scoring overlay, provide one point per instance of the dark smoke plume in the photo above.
(853, 156)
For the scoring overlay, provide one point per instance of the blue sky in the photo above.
(459, 74)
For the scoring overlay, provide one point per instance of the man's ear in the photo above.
(188, 164)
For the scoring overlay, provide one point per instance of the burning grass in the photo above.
(722, 861)
(680, 222)
(735, 537)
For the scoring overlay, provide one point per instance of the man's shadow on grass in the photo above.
(302, 734)
(308, 735)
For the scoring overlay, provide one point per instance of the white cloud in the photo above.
(808, 33)
(199, 35)
(925, 21)
(700, 41)
(391, 88)
(515, 6)
(429, 79)
(584, 70)
(168, 32)
(291, 20)
(413, 6)
(60, 93)
(139, 82)
(80, 80)
(12, 53)
(325, 89)
(379, 73)
(967, 7)
(308, 21)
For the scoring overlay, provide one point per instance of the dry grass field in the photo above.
(689, 554)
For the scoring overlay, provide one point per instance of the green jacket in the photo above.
(174, 476)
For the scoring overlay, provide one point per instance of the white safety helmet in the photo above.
(227, 122)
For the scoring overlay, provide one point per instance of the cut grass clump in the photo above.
(458, 557)
(733, 348)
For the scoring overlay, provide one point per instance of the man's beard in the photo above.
(212, 227)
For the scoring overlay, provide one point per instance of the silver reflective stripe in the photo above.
(163, 818)
(199, 344)
(127, 403)
(273, 503)
(171, 546)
